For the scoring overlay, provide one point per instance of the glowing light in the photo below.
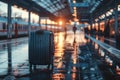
(72, 23)
(111, 10)
(117, 69)
(76, 20)
(89, 27)
(58, 76)
(119, 7)
(74, 8)
(15, 6)
(60, 45)
(60, 22)
(73, 76)
(102, 53)
(96, 20)
(74, 1)
(77, 23)
(113, 32)
(110, 62)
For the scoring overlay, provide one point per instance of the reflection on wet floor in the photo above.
(109, 41)
(70, 61)
(12, 55)
(65, 58)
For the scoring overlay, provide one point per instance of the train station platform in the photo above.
(76, 57)
(83, 39)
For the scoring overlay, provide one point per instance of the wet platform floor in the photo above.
(73, 60)
(15, 65)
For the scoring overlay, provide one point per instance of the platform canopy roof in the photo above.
(63, 8)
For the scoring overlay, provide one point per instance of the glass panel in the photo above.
(19, 13)
(50, 6)
(3, 9)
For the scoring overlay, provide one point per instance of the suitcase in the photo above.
(41, 48)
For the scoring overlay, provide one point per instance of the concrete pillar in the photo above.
(9, 36)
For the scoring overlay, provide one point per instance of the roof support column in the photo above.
(116, 25)
(29, 30)
(91, 21)
(9, 20)
(98, 26)
(46, 22)
(95, 25)
(116, 17)
(105, 21)
(29, 21)
(50, 27)
(53, 26)
(9, 36)
(39, 23)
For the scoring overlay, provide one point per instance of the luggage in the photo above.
(41, 48)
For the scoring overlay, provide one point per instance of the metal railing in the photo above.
(107, 47)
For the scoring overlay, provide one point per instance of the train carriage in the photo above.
(19, 28)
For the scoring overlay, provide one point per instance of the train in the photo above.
(19, 28)
(107, 30)
(110, 27)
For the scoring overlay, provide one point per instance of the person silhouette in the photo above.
(74, 29)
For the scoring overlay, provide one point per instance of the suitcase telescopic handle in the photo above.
(40, 32)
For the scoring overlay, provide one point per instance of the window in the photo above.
(4, 26)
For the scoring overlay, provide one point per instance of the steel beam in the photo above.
(103, 7)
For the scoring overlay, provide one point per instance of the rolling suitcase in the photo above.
(41, 48)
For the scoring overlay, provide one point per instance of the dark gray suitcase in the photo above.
(41, 47)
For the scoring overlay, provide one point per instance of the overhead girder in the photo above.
(103, 8)
(30, 5)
